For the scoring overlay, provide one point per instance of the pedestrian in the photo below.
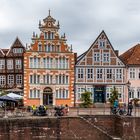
(115, 106)
(130, 107)
(67, 109)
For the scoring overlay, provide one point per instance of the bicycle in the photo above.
(118, 111)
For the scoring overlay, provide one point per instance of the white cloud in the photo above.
(81, 20)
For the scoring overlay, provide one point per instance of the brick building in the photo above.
(131, 58)
(11, 67)
(98, 70)
(49, 67)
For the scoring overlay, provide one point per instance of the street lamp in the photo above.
(128, 86)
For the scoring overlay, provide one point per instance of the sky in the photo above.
(81, 20)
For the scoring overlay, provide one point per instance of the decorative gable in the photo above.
(101, 53)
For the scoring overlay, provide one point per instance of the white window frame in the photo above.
(80, 73)
(96, 56)
(9, 64)
(118, 74)
(19, 79)
(10, 79)
(106, 57)
(102, 43)
(132, 73)
(109, 73)
(18, 64)
(2, 63)
(89, 73)
(2, 80)
(99, 72)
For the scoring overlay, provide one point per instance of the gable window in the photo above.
(10, 64)
(17, 50)
(90, 73)
(18, 64)
(99, 73)
(96, 57)
(2, 63)
(118, 73)
(10, 79)
(106, 57)
(2, 80)
(132, 73)
(109, 73)
(102, 43)
(39, 47)
(80, 73)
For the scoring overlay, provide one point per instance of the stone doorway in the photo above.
(47, 96)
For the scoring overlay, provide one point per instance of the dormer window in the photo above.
(39, 47)
(17, 50)
(102, 43)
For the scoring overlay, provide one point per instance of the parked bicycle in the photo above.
(118, 111)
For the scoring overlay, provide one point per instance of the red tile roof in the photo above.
(131, 56)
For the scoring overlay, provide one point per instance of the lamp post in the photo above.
(128, 86)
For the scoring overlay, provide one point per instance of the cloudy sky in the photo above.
(81, 20)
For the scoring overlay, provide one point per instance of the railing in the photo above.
(74, 111)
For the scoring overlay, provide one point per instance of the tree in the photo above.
(3, 92)
(114, 95)
(85, 98)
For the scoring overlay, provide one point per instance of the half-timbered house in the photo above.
(98, 70)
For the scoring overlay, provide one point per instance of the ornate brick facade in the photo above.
(49, 67)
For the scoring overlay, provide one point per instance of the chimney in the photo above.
(117, 52)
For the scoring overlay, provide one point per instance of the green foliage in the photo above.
(3, 92)
(136, 100)
(85, 98)
(114, 95)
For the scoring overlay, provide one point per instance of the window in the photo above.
(2, 63)
(18, 64)
(99, 73)
(34, 79)
(46, 48)
(90, 73)
(62, 94)
(31, 62)
(46, 35)
(138, 93)
(18, 50)
(80, 73)
(102, 43)
(10, 79)
(106, 57)
(119, 89)
(10, 64)
(96, 57)
(80, 90)
(132, 73)
(62, 79)
(39, 47)
(19, 79)
(109, 73)
(34, 93)
(47, 79)
(108, 92)
(2, 80)
(57, 48)
(118, 73)
(131, 92)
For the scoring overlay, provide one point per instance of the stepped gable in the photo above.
(131, 56)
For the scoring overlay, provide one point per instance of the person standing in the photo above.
(130, 107)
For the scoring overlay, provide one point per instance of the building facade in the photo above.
(49, 67)
(11, 67)
(98, 70)
(131, 58)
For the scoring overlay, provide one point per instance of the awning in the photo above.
(15, 96)
(14, 90)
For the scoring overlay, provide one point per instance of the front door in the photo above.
(47, 99)
(99, 94)
(47, 96)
